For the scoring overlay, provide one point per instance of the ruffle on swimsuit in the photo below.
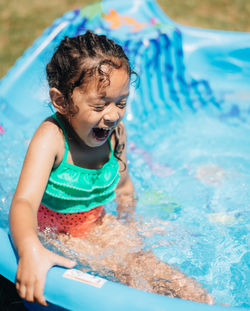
(73, 189)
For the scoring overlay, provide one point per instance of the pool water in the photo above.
(192, 180)
(192, 177)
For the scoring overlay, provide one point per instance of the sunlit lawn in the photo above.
(22, 21)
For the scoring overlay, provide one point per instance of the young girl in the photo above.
(76, 162)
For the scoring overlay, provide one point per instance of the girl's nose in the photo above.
(111, 116)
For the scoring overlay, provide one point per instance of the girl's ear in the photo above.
(58, 100)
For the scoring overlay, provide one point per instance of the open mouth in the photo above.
(101, 134)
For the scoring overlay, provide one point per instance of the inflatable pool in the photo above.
(185, 73)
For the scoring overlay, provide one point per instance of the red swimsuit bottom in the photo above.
(76, 224)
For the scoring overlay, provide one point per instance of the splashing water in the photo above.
(193, 214)
(204, 200)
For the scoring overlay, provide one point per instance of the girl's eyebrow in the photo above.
(109, 98)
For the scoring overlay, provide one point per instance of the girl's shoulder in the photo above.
(50, 136)
(49, 130)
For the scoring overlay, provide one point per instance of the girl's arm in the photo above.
(125, 190)
(34, 259)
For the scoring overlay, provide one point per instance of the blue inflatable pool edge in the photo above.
(74, 295)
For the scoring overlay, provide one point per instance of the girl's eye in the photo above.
(99, 108)
(121, 104)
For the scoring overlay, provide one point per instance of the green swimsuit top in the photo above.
(73, 189)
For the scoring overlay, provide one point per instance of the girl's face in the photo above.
(100, 113)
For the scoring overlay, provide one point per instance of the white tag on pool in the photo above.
(84, 277)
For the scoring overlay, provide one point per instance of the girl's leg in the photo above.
(163, 279)
(117, 248)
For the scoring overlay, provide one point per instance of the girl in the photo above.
(76, 162)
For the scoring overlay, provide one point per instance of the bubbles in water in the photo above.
(204, 199)
(192, 180)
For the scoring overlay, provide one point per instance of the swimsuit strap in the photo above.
(110, 147)
(61, 125)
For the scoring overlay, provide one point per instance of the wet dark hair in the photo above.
(77, 60)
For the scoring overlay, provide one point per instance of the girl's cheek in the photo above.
(123, 113)
(91, 116)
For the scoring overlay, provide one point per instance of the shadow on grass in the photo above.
(9, 299)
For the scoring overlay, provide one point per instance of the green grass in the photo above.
(217, 14)
(22, 21)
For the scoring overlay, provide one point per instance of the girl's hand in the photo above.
(126, 209)
(33, 266)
